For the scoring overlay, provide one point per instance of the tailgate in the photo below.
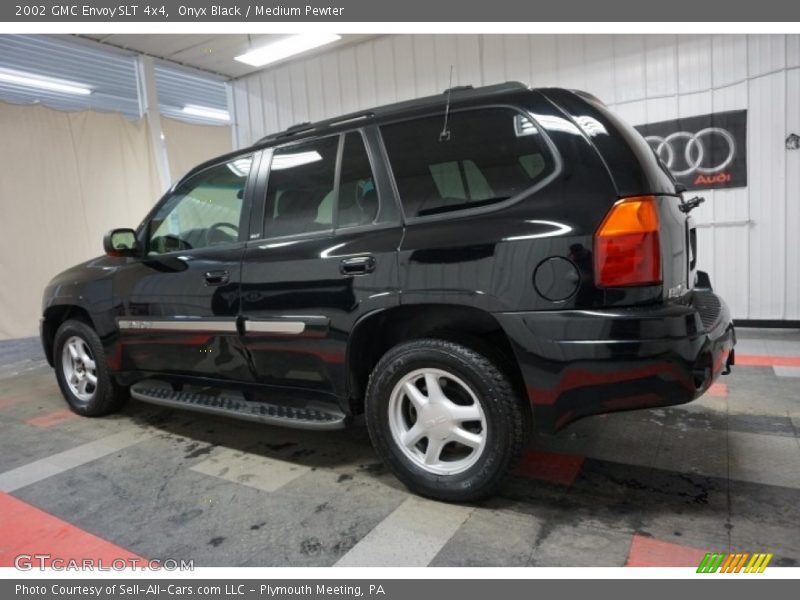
(678, 237)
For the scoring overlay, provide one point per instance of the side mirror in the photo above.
(121, 242)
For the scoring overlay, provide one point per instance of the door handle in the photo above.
(358, 265)
(217, 277)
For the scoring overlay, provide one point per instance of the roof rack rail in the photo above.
(350, 118)
(296, 128)
(459, 88)
(380, 111)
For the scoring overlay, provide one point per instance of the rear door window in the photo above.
(490, 155)
(304, 195)
(358, 196)
(301, 188)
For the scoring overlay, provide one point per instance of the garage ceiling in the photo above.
(211, 53)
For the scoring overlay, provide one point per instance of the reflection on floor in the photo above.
(658, 487)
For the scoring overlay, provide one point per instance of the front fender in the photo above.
(84, 291)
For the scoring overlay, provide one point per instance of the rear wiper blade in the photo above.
(689, 205)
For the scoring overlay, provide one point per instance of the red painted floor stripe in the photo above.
(759, 360)
(649, 552)
(555, 468)
(53, 418)
(28, 530)
(30, 395)
(6, 402)
(720, 390)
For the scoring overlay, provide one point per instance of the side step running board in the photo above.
(233, 404)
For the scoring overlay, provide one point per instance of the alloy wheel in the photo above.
(437, 421)
(79, 368)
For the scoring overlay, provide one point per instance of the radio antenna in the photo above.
(444, 136)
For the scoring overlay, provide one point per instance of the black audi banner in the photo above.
(703, 152)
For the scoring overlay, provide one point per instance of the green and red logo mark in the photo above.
(716, 562)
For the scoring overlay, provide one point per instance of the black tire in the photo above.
(108, 397)
(504, 414)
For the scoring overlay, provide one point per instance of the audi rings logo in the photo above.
(695, 153)
(702, 152)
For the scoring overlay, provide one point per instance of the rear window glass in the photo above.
(489, 156)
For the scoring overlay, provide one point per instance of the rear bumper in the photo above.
(582, 362)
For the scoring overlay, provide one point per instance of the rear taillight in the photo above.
(626, 245)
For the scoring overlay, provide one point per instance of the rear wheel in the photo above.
(82, 371)
(445, 419)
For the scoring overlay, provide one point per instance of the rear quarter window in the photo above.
(490, 155)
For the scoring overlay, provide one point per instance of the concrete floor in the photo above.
(658, 487)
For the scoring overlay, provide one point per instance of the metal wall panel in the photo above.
(570, 61)
(748, 237)
(767, 179)
(493, 60)
(694, 63)
(405, 70)
(599, 78)
(661, 65)
(793, 51)
(348, 71)
(728, 59)
(792, 223)
(386, 88)
(765, 53)
(726, 221)
(629, 67)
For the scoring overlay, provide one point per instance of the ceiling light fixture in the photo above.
(206, 112)
(44, 83)
(286, 47)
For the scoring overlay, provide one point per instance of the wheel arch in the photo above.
(377, 332)
(53, 317)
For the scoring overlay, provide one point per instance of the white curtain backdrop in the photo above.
(188, 145)
(65, 179)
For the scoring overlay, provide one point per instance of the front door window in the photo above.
(204, 211)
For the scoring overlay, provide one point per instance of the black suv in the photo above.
(460, 268)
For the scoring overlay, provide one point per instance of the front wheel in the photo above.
(83, 373)
(445, 419)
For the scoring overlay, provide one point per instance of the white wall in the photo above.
(750, 237)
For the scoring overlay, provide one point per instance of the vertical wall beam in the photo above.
(148, 108)
(234, 122)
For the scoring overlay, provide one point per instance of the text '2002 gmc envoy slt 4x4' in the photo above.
(461, 269)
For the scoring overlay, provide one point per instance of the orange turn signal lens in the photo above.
(627, 250)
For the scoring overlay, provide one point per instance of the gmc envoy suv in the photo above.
(461, 269)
